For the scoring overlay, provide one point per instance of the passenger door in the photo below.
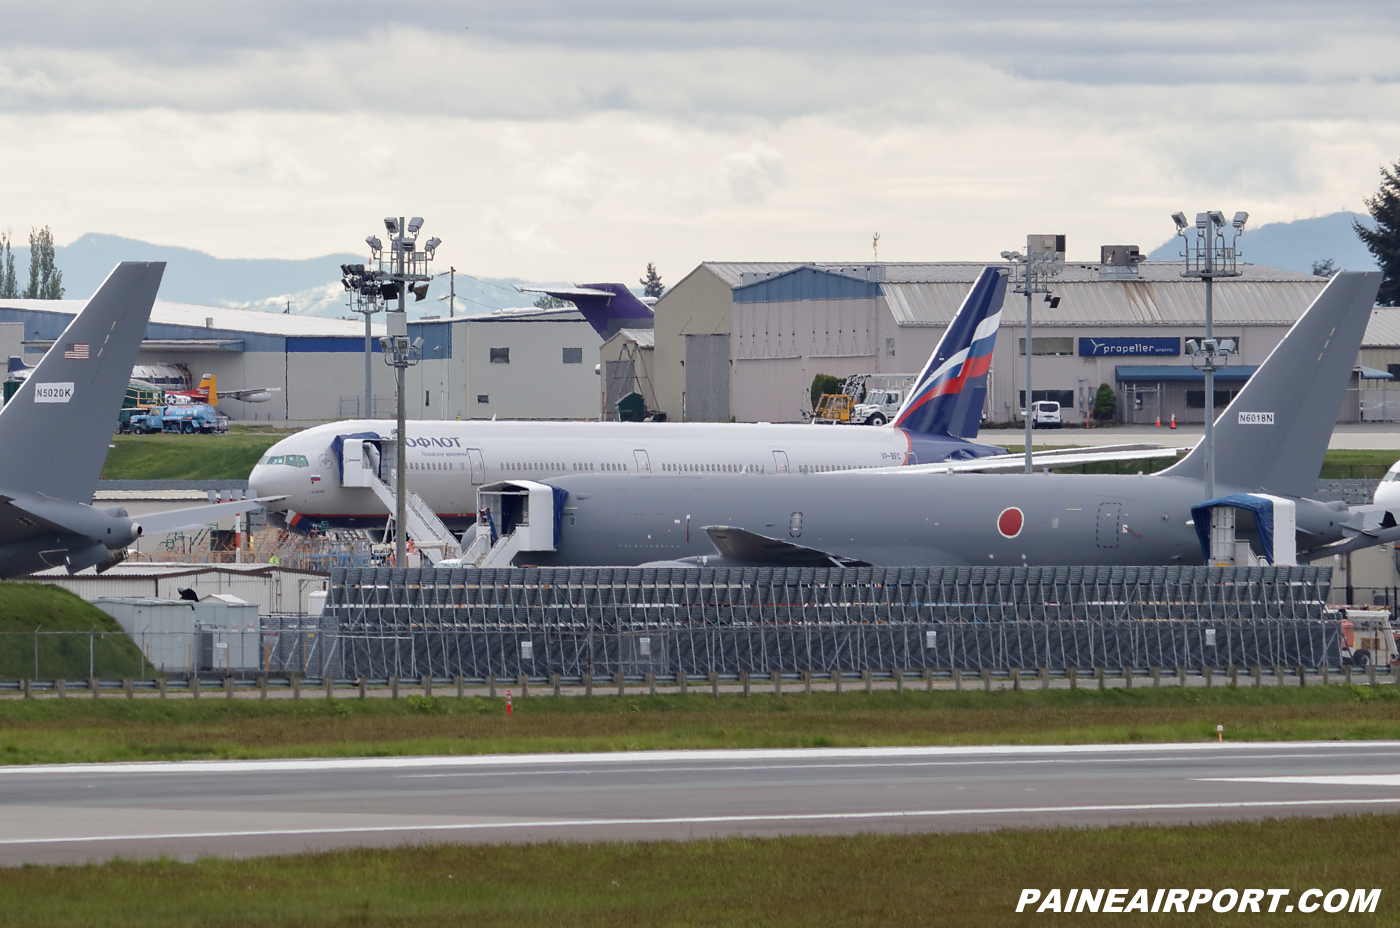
(478, 466)
(643, 462)
(780, 462)
(1110, 518)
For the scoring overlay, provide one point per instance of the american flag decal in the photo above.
(76, 351)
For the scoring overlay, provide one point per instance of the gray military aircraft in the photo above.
(1270, 443)
(54, 434)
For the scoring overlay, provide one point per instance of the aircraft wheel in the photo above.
(876, 419)
(189, 428)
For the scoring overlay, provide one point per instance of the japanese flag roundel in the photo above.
(1010, 522)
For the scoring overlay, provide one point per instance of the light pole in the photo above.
(365, 298)
(398, 266)
(1031, 273)
(1208, 257)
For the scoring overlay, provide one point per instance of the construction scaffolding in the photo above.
(538, 622)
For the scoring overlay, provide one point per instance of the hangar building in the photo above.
(744, 340)
(518, 363)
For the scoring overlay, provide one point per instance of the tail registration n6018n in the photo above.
(1256, 418)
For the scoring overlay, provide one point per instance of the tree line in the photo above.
(45, 279)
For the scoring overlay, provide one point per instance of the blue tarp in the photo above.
(560, 495)
(1263, 510)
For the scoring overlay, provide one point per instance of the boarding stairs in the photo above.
(520, 516)
(434, 539)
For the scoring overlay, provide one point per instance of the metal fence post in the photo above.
(1181, 675)
(60, 688)
(24, 688)
(682, 682)
(899, 680)
(621, 684)
(588, 684)
(807, 683)
(1346, 674)
(161, 685)
(836, 679)
(744, 679)
(457, 682)
(714, 684)
(1016, 679)
(1044, 674)
(554, 683)
(1302, 676)
(1099, 676)
(228, 687)
(651, 683)
(1371, 673)
(1209, 677)
(194, 686)
(777, 683)
(491, 685)
(262, 687)
(869, 681)
(1073, 673)
(95, 685)
(1127, 678)
(1257, 673)
(427, 686)
(362, 684)
(329, 683)
(1156, 676)
(957, 679)
(1234, 676)
(928, 679)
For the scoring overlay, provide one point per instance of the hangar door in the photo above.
(707, 378)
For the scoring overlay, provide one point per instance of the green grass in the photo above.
(115, 729)
(866, 880)
(25, 607)
(187, 457)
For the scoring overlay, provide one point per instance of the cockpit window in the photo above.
(275, 459)
(301, 460)
(1390, 475)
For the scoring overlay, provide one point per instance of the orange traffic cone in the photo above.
(1173, 420)
(1159, 422)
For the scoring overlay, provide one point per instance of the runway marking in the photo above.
(853, 766)
(631, 757)
(701, 820)
(1360, 779)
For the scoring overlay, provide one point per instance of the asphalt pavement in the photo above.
(77, 813)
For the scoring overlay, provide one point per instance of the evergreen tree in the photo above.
(1384, 240)
(9, 287)
(549, 302)
(1324, 268)
(45, 280)
(651, 284)
(824, 383)
(1105, 403)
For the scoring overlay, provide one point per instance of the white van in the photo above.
(1045, 414)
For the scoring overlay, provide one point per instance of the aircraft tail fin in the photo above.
(17, 365)
(210, 382)
(55, 430)
(607, 307)
(948, 394)
(1274, 434)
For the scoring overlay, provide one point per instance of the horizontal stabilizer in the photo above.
(607, 307)
(1016, 463)
(172, 520)
(740, 544)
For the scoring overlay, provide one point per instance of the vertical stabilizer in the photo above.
(1274, 435)
(54, 432)
(947, 396)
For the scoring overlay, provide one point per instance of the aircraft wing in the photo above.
(1063, 457)
(172, 520)
(743, 545)
(17, 523)
(564, 293)
(1365, 527)
(262, 394)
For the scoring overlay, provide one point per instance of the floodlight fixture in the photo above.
(418, 343)
(1240, 219)
(437, 350)
(420, 292)
(385, 344)
(415, 224)
(1202, 220)
(1227, 345)
(1011, 255)
(1054, 302)
(1216, 216)
(391, 224)
(375, 245)
(432, 245)
(1193, 347)
(1180, 219)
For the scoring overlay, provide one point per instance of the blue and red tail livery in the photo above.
(947, 398)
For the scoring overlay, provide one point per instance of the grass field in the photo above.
(874, 880)
(27, 607)
(186, 457)
(110, 729)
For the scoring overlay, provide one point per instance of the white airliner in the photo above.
(1388, 491)
(322, 471)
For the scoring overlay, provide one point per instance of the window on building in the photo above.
(889, 347)
(427, 397)
(1393, 370)
(1048, 347)
(1196, 399)
(1064, 397)
(483, 398)
(502, 355)
(573, 355)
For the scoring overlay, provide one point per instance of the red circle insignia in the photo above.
(1010, 522)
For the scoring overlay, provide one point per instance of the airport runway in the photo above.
(248, 808)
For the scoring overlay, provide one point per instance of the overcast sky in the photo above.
(578, 141)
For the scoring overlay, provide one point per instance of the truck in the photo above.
(195, 418)
(1368, 637)
(878, 407)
